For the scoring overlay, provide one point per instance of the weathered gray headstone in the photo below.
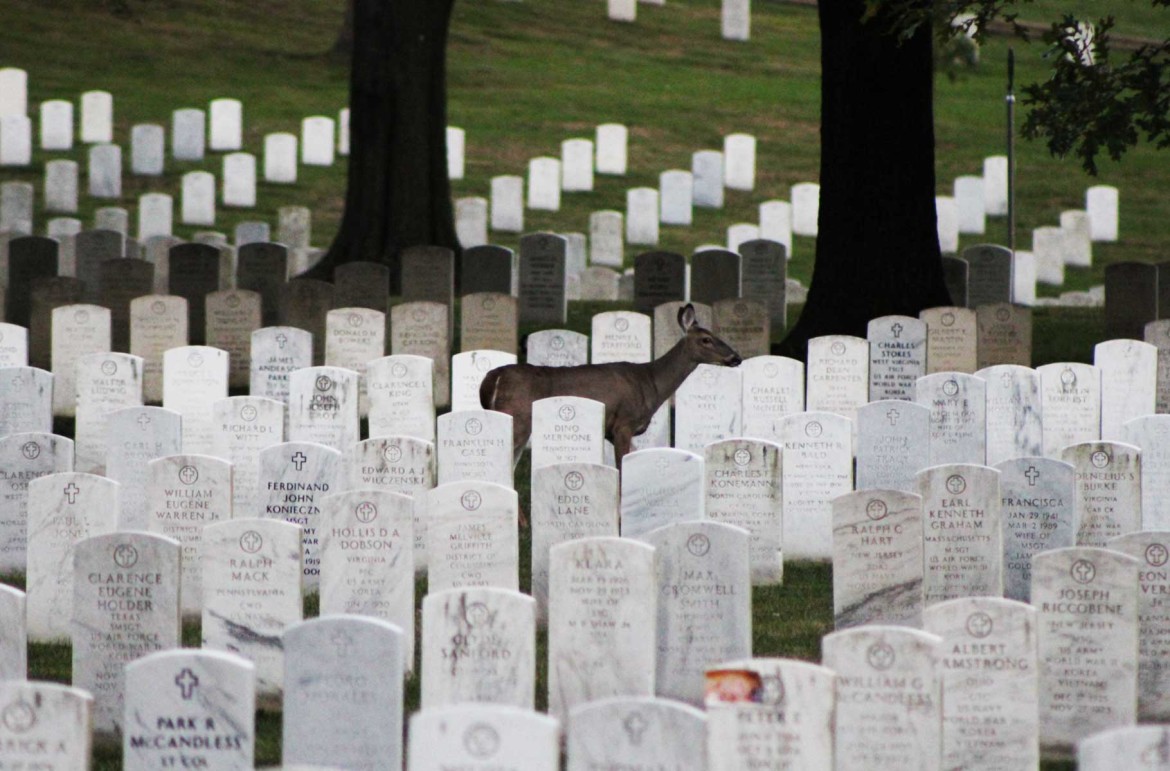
(990, 277)
(261, 268)
(715, 275)
(1014, 409)
(423, 329)
(817, 466)
(1152, 551)
(877, 558)
(542, 278)
(1005, 335)
(251, 592)
(194, 273)
(157, 324)
(1108, 493)
(659, 277)
(472, 538)
(304, 304)
(125, 606)
(958, 424)
(962, 532)
(275, 353)
(343, 693)
(892, 444)
(105, 171)
(1131, 298)
(989, 682)
(478, 737)
(1157, 334)
(478, 645)
(897, 356)
(742, 488)
(189, 709)
(402, 396)
(63, 508)
(120, 281)
(951, 339)
(232, 316)
(557, 348)
(24, 456)
(708, 560)
(1070, 404)
(1037, 505)
(1129, 376)
(889, 697)
(30, 258)
(1087, 617)
(323, 406)
(487, 268)
(353, 338)
(48, 725)
(194, 377)
(744, 325)
(428, 275)
(489, 320)
(361, 285)
(765, 267)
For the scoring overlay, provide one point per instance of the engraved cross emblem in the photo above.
(342, 642)
(281, 339)
(893, 416)
(897, 330)
(1032, 474)
(187, 682)
(299, 460)
(71, 490)
(635, 726)
(144, 421)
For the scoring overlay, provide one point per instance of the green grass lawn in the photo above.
(523, 77)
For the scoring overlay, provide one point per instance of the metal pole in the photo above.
(1011, 151)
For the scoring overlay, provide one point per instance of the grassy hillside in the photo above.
(523, 77)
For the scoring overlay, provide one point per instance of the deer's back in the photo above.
(514, 387)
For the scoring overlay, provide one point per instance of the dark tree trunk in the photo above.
(398, 194)
(877, 248)
(343, 45)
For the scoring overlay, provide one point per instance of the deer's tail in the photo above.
(488, 389)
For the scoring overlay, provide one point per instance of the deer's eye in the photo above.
(707, 341)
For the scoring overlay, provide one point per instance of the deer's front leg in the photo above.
(621, 444)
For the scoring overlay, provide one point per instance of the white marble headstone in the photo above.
(817, 466)
(742, 488)
(708, 407)
(77, 330)
(468, 370)
(1140, 747)
(1070, 404)
(1037, 505)
(275, 353)
(472, 538)
(838, 374)
(1013, 408)
(13, 639)
(475, 444)
(242, 426)
(958, 422)
(773, 387)
(897, 356)
(951, 339)
(1151, 435)
(294, 479)
(481, 737)
(962, 532)
(892, 444)
(1108, 492)
(660, 486)
(323, 406)
(25, 456)
(106, 383)
(1151, 549)
(1129, 379)
(195, 377)
(48, 725)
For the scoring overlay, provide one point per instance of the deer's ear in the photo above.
(686, 317)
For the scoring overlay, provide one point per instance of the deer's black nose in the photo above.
(734, 360)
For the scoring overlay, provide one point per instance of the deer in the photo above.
(631, 392)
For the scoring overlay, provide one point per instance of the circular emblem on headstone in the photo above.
(574, 480)
(487, 303)
(880, 655)
(771, 690)
(125, 556)
(948, 319)
(392, 453)
(476, 613)
(709, 374)
(19, 716)
(109, 367)
(742, 456)
(1002, 314)
(473, 426)
(81, 317)
(398, 369)
(1157, 554)
(566, 412)
(956, 484)
(195, 359)
(158, 307)
(557, 343)
(355, 320)
(979, 624)
(813, 428)
(837, 348)
(1068, 379)
(232, 301)
(876, 509)
(481, 740)
(470, 500)
(771, 370)
(621, 324)
(248, 413)
(950, 387)
(365, 511)
(740, 310)
(419, 315)
(1083, 571)
(30, 450)
(323, 383)
(1100, 459)
(251, 542)
(188, 475)
(483, 363)
(698, 544)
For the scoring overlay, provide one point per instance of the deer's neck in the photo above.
(670, 370)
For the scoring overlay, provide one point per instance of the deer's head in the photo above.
(702, 344)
